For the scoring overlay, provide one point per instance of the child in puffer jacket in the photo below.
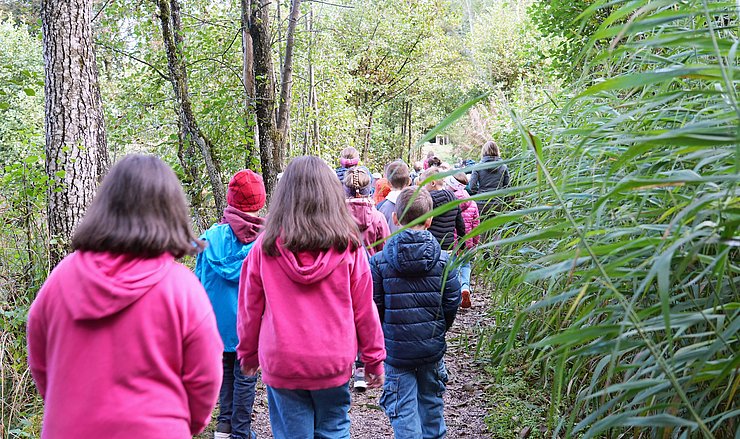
(471, 218)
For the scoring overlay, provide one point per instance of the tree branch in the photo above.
(159, 72)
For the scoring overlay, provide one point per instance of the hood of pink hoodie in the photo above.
(361, 210)
(108, 283)
(307, 267)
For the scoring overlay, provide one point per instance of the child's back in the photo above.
(306, 307)
(219, 267)
(415, 303)
(417, 296)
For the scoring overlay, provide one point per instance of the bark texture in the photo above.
(251, 160)
(270, 141)
(76, 149)
(169, 15)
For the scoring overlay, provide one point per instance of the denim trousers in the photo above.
(465, 275)
(412, 400)
(236, 398)
(309, 414)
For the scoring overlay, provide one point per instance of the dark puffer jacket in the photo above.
(445, 225)
(486, 180)
(415, 303)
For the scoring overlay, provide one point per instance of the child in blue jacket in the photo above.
(218, 268)
(417, 296)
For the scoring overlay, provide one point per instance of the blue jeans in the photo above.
(412, 400)
(465, 276)
(309, 414)
(236, 398)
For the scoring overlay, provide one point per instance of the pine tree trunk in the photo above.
(76, 149)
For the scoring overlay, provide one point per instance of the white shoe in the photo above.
(220, 435)
(360, 384)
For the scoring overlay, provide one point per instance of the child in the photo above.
(469, 212)
(218, 268)
(305, 306)
(373, 227)
(348, 158)
(398, 177)
(122, 342)
(487, 180)
(372, 224)
(382, 189)
(417, 301)
(446, 226)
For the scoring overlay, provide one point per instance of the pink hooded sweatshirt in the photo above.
(124, 347)
(303, 316)
(371, 222)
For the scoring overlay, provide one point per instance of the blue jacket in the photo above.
(415, 303)
(218, 267)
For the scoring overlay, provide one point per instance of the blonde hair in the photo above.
(349, 153)
(490, 149)
(356, 179)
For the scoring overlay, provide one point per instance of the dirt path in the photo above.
(465, 403)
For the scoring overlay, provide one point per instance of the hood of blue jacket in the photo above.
(412, 251)
(225, 253)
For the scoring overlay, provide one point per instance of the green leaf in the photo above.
(449, 120)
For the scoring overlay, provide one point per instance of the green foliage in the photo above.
(563, 20)
(616, 266)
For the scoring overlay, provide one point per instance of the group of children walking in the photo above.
(123, 342)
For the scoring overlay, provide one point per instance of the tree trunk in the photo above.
(269, 135)
(169, 15)
(286, 76)
(76, 150)
(312, 102)
(248, 78)
(367, 135)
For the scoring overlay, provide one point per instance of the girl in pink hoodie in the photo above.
(471, 218)
(122, 340)
(372, 223)
(306, 305)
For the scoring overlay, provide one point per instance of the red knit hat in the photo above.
(246, 191)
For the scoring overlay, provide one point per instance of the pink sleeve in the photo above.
(367, 322)
(382, 231)
(36, 339)
(202, 368)
(250, 309)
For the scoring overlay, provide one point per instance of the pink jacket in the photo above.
(124, 347)
(470, 215)
(372, 223)
(303, 316)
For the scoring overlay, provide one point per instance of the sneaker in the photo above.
(359, 379)
(223, 431)
(465, 299)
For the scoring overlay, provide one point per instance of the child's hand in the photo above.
(250, 372)
(374, 381)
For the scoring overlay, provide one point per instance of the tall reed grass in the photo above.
(616, 272)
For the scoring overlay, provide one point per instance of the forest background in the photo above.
(614, 275)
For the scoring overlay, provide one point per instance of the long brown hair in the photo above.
(139, 209)
(308, 210)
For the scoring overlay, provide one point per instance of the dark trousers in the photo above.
(236, 398)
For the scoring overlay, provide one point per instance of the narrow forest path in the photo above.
(465, 402)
